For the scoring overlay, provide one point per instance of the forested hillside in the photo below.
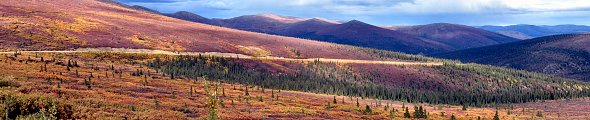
(453, 83)
(560, 55)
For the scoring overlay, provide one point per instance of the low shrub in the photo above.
(21, 105)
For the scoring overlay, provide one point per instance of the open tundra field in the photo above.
(100, 85)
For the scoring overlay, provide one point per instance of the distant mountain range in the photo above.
(457, 36)
(423, 39)
(524, 31)
(565, 55)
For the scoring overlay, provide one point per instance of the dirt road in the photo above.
(217, 54)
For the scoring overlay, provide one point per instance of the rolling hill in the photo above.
(422, 39)
(184, 15)
(524, 31)
(102, 84)
(457, 36)
(60, 25)
(358, 33)
(561, 55)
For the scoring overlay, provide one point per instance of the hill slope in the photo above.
(458, 36)
(561, 55)
(354, 32)
(362, 34)
(62, 24)
(190, 17)
(423, 39)
(164, 85)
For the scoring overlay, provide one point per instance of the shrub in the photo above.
(30, 106)
(9, 82)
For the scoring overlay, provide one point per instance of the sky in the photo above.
(392, 12)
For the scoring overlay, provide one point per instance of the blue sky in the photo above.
(392, 12)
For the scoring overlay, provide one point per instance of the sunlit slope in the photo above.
(63, 24)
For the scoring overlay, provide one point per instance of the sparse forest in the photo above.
(494, 85)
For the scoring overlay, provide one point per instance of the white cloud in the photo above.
(548, 5)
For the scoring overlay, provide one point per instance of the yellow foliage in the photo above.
(254, 51)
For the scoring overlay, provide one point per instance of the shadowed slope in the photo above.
(561, 55)
(361, 34)
(458, 36)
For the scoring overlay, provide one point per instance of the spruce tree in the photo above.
(334, 100)
(368, 110)
(246, 92)
(357, 102)
(496, 116)
(407, 113)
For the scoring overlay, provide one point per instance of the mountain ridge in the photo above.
(564, 55)
(395, 40)
(458, 36)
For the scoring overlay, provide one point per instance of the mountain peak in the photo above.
(183, 12)
(356, 22)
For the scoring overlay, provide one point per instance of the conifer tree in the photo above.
(246, 92)
(496, 116)
(368, 110)
(357, 102)
(334, 100)
(88, 83)
(407, 113)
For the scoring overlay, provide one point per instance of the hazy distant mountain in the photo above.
(458, 36)
(514, 34)
(562, 55)
(531, 31)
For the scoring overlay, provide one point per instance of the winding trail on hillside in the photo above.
(234, 55)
